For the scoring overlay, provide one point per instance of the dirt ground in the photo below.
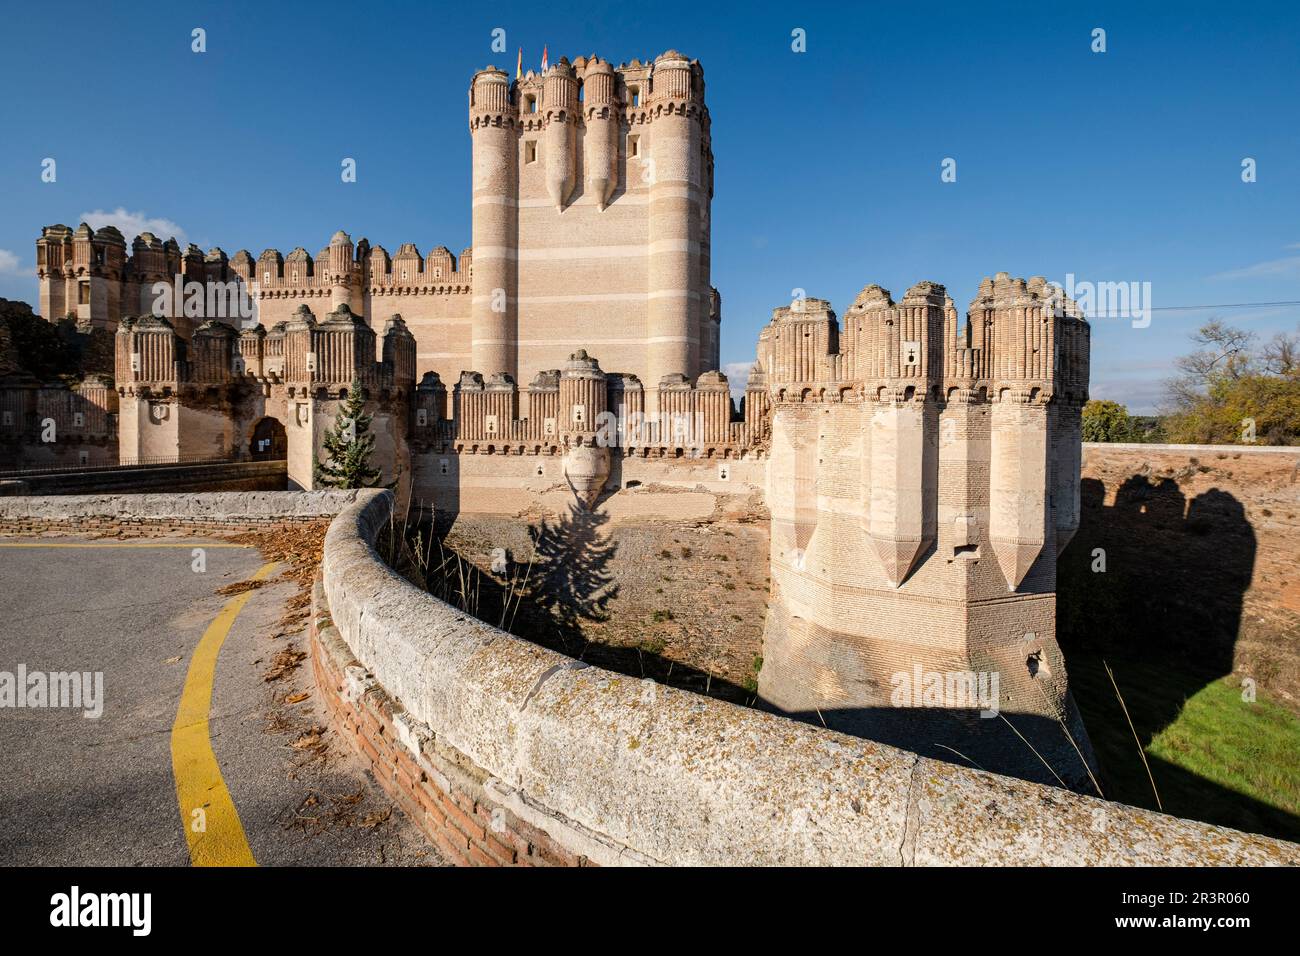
(682, 602)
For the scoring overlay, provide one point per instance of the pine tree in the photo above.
(346, 461)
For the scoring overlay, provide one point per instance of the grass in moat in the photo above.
(1214, 756)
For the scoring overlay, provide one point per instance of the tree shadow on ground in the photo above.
(558, 596)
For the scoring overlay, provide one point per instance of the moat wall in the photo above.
(618, 770)
(133, 514)
(1198, 545)
(145, 479)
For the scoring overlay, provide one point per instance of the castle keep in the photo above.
(591, 219)
(591, 201)
(921, 472)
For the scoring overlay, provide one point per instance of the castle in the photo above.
(591, 198)
(921, 473)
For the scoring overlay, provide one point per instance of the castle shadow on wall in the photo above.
(1165, 614)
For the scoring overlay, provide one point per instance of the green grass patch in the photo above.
(1214, 756)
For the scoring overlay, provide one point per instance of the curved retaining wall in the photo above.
(495, 741)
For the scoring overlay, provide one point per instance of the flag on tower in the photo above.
(519, 65)
(543, 58)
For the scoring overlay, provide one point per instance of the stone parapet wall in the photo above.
(444, 793)
(165, 513)
(619, 770)
(240, 476)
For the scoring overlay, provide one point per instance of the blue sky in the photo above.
(1115, 166)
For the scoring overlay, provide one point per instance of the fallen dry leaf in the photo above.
(284, 662)
(296, 698)
(374, 818)
(239, 587)
(311, 740)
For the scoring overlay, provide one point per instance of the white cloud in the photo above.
(737, 377)
(1140, 396)
(132, 224)
(9, 264)
(1273, 267)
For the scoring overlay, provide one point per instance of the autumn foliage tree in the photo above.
(1229, 391)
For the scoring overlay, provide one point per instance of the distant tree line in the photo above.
(1231, 390)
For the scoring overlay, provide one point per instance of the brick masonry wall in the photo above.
(440, 789)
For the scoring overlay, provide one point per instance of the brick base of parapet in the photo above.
(438, 788)
(149, 527)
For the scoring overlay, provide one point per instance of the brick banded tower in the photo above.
(592, 187)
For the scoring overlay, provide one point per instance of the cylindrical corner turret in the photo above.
(340, 270)
(494, 129)
(560, 108)
(583, 400)
(679, 299)
(398, 349)
(600, 144)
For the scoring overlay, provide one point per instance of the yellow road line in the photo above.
(122, 544)
(212, 827)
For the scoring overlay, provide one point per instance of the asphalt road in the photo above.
(103, 791)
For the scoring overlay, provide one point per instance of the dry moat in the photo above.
(681, 601)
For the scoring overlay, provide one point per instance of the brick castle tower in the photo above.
(923, 477)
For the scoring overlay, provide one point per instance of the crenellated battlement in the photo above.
(588, 87)
(1022, 340)
(88, 274)
(581, 405)
(310, 357)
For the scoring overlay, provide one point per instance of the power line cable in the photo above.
(1227, 305)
